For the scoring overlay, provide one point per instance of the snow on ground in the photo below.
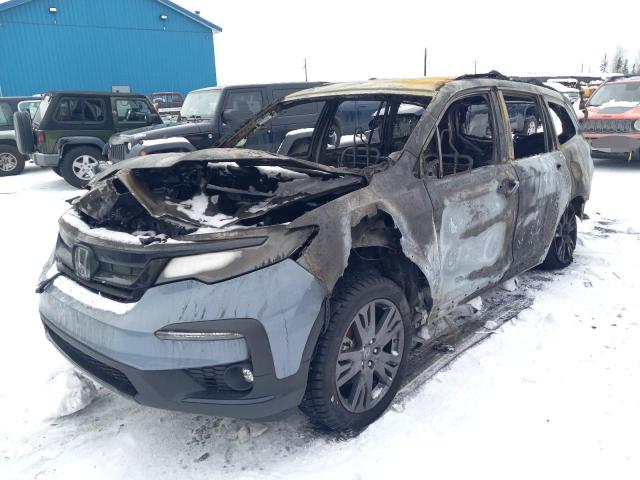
(554, 393)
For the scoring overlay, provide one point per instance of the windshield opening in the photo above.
(200, 104)
(42, 109)
(616, 92)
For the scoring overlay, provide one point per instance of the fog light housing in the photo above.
(247, 374)
(239, 378)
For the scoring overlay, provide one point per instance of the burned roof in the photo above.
(417, 87)
(427, 87)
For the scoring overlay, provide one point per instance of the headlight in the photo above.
(129, 146)
(636, 125)
(216, 266)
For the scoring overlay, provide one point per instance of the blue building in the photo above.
(141, 46)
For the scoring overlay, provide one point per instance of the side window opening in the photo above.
(464, 139)
(564, 126)
(356, 134)
(80, 110)
(132, 111)
(6, 115)
(241, 106)
(527, 125)
(364, 132)
(405, 120)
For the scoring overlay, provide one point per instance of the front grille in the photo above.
(117, 152)
(607, 126)
(210, 378)
(101, 371)
(120, 275)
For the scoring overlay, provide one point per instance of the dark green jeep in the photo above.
(70, 129)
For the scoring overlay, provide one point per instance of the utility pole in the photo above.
(305, 70)
(424, 70)
(475, 67)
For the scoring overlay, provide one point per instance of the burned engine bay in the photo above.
(182, 195)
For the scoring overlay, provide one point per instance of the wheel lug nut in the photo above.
(370, 363)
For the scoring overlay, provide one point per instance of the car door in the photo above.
(545, 183)
(474, 197)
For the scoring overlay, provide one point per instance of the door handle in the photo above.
(508, 186)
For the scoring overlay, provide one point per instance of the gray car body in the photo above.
(461, 234)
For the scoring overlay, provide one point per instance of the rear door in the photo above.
(545, 182)
(473, 190)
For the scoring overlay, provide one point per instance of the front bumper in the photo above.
(613, 143)
(45, 159)
(278, 310)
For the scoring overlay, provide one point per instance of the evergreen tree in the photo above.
(625, 66)
(604, 64)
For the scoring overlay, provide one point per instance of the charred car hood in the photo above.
(155, 132)
(209, 190)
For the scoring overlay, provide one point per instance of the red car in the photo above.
(611, 119)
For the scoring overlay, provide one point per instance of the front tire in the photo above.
(11, 162)
(79, 165)
(560, 253)
(361, 358)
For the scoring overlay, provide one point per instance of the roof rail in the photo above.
(492, 74)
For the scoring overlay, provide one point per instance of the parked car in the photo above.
(237, 282)
(208, 115)
(11, 160)
(611, 119)
(572, 94)
(70, 129)
(162, 100)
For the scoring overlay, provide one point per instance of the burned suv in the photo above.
(237, 282)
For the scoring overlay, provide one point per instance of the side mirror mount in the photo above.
(230, 117)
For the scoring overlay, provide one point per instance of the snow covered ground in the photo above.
(555, 393)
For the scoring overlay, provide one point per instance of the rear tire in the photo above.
(11, 162)
(24, 132)
(560, 253)
(79, 165)
(360, 359)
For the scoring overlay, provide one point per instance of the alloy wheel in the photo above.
(84, 167)
(8, 162)
(370, 355)
(566, 236)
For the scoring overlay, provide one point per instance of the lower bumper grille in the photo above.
(101, 371)
(117, 152)
(210, 378)
(607, 126)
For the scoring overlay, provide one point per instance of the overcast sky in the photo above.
(267, 41)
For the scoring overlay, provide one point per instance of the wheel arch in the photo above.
(376, 244)
(66, 143)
